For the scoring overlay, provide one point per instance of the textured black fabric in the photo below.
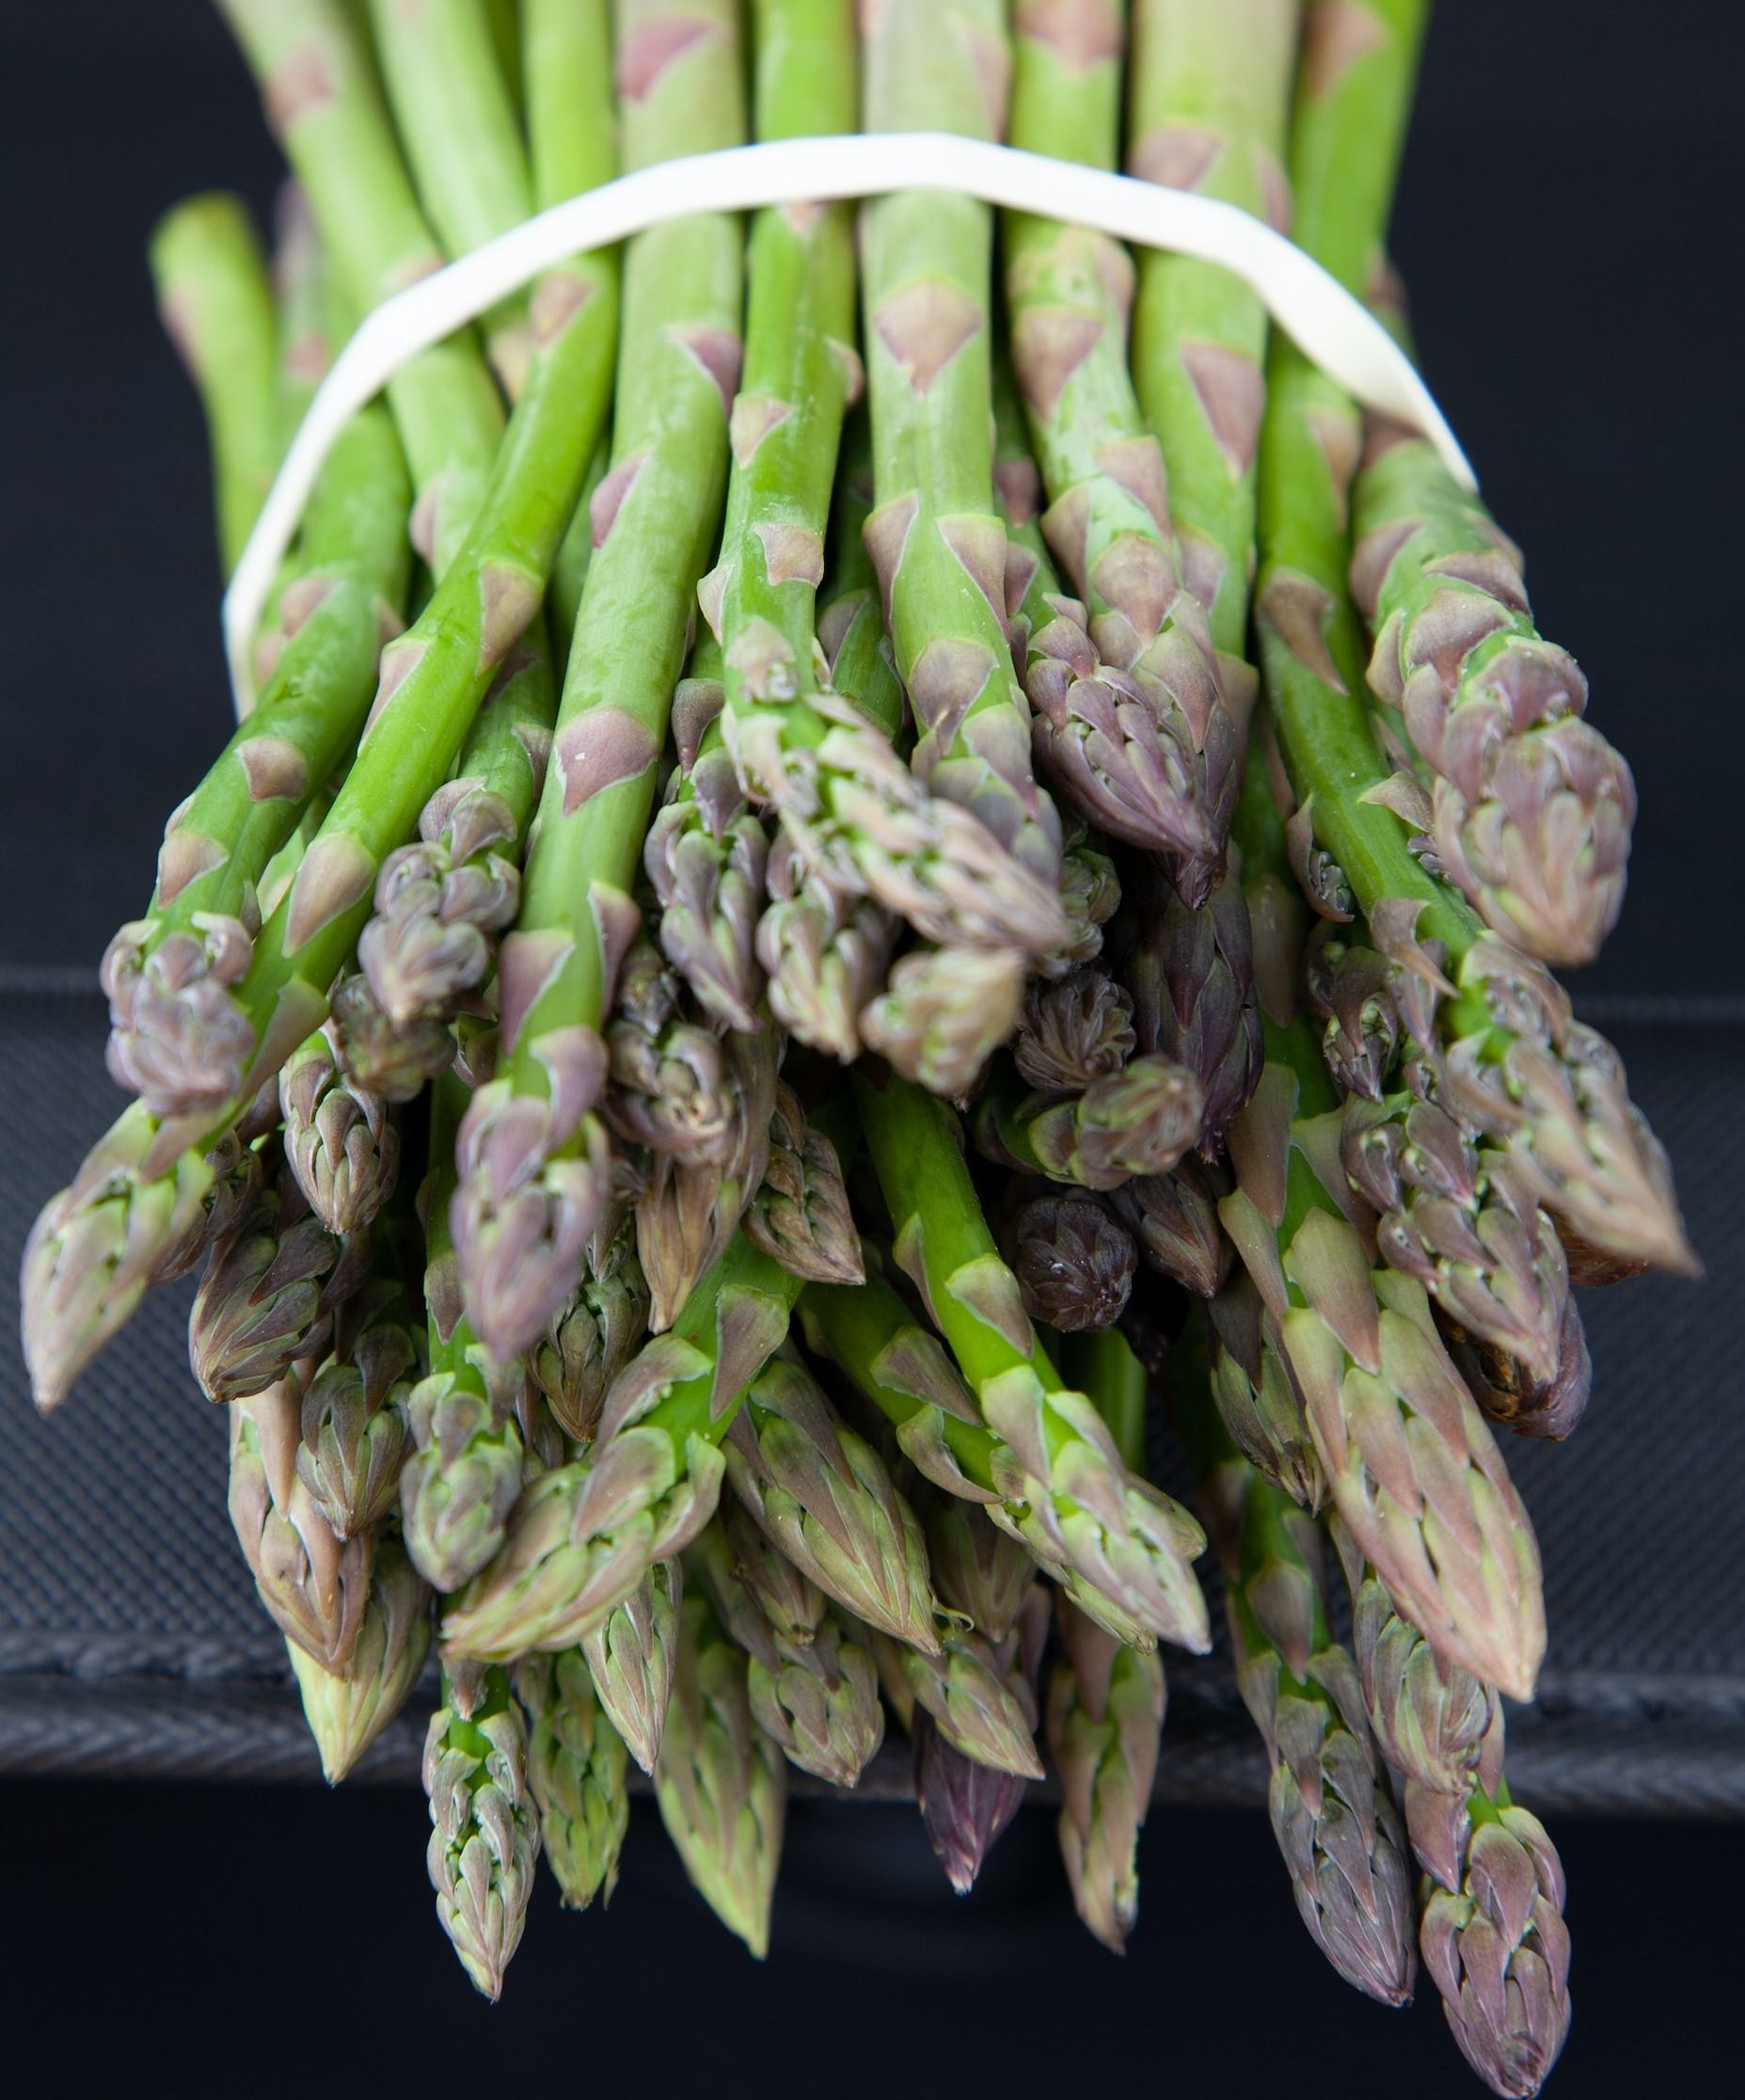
(130, 1641)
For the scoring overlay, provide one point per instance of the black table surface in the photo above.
(1582, 347)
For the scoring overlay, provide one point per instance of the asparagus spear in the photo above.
(465, 1469)
(1529, 807)
(1105, 1702)
(823, 1495)
(348, 1710)
(354, 1415)
(319, 89)
(1333, 1818)
(811, 1681)
(584, 1534)
(441, 899)
(175, 1035)
(576, 1774)
(1109, 518)
(1209, 86)
(307, 308)
(1191, 974)
(966, 1802)
(216, 305)
(315, 1588)
(1077, 1029)
(458, 123)
(1174, 1219)
(341, 1141)
(721, 1783)
(1398, 1439)
(824, 942)
(1138, 1120)
(903, 1369)
(484, 1829)
(631, 1657)
(533, 1157)
(938, 547)
(1122, 1549)
(1491, 1930)
(1498, 1947)
(706, 855)
(270, 1292)
(800, 1213)
(593, 1336)
(1510, 1060)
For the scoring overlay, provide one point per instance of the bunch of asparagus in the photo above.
(1043, 698)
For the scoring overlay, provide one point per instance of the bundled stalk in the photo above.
(820, 1151)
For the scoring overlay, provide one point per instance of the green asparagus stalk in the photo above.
(484, 1828)
(347, 1711)
(584, 1534)
(1191, 974)
(459, 126)
(1109, 518)
(1105, 1702)
(694, 1201)
(936, 542)
(811, 1681)
(1122, 1549)
(906, 1373)
(314, 1587)
(1510, 1061)
(169, 976)
(1331, 1813)
(631, 1656)
(466, 1460)
(270, 1294)
(341, 1141)
(576, 1774)
(216, 303)
(307, 308)
(1494, 1940)
(861, 823)
(319, 89)
(823, 942)
(825, 1498)
(800, 1213)
(1529, 805)
(533, 1157)
(354, 1417)
(593, 1336)
(1209, 83)
(721, 1784)
(705, 856)
(441, 899)
(1404, 1452)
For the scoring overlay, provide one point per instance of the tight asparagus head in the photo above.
(484, 1826)
(720, 1782)
(575, 1767)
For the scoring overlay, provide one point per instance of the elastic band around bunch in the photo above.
(1332, 326)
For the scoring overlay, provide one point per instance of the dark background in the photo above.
(237, 1940)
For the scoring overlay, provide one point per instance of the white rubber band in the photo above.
(1333, 328)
